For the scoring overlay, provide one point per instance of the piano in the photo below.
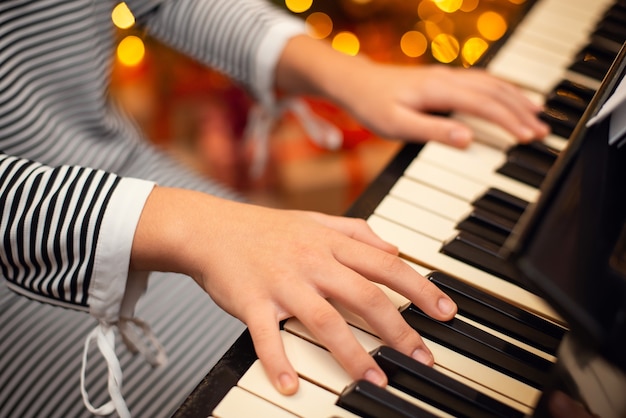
(529, 240)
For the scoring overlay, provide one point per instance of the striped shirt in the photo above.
(75, 171)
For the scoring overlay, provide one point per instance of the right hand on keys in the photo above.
(264, 265)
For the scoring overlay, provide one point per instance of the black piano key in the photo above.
(481, 346)
(561, 119)
(611, 29)
(573, 95)
(480, 253)
(532, 158)
(593, 61)
(370, 401)
(487, 225)
(501, 203)
(426, 383)
(499, 315)
(529, 163)
(520, 172)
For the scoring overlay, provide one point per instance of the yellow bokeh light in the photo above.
(122, 16)
(445, 48)
(298, 6)
(429, 12)
(413, 44)
(517, 1)
(470, 5)
(346, 42)
(319, 25)
(473, 49)
(431, 29)
(131, 51)
(449, 6)
(491, 25)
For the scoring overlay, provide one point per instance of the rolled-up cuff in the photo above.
(110, 286)
(268, 55)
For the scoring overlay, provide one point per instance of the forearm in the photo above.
(309, 66)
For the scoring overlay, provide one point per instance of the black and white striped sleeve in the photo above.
(242, 38)
(66, 233)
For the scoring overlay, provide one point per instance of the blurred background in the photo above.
(199, 115)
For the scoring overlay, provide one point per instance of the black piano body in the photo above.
(570, 246)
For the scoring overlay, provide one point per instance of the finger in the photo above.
(394, 273)
(332, 331)
(268, 345)
(419, 127)
(370, 303)
(522, 112)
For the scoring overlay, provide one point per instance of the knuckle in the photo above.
(323, 317)
(404, 336)
(391, 264)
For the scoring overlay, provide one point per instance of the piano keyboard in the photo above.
(449, 214)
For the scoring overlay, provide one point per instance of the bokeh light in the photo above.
(473, 49)
(429, 12)
(319, 25)
(491, 25)
(431, 29)
(298, 6)
(518, 1)
(448, 6)
(445, 48)
(122, 16)
(413, 44)
(346, 42)
(130, 51)
(470, 5)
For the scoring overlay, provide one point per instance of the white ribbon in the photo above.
(104, 337)
(261, 120)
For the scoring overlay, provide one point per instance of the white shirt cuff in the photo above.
(268, 54)
(109, 289)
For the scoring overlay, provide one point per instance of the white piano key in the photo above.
(525, 72)
(485, 379)
(425, 251)
(540, 65)
(426, 197)
(479, 158)
(428, 223)
(311, 400)
(467, 185)
(240, 403)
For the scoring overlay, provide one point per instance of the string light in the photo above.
(473, 49)
(122, 16)
(491, 25)
(346, 42)
(319, 25)
(298, 6)
(445, 48)
(413, 44)
(449, 6)
(130, 51)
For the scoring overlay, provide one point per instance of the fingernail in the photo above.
(375, 376)
(286, 382)
(446, 306)
(422, 356)
(460, 137)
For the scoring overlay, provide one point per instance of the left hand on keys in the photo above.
(264, 265)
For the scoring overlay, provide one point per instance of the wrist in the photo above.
(312, 67)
